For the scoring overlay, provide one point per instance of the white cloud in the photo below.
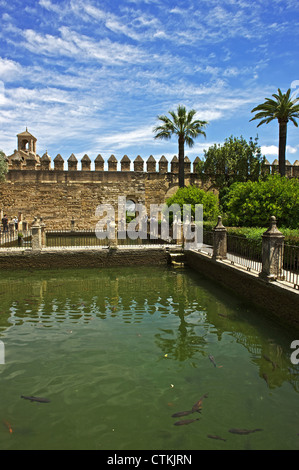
(273, 149)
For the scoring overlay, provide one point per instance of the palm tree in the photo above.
(284, 109)
(187, 129)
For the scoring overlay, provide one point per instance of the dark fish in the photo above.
(185, 421)
(39, 399)
(270, 360)
(243, 431)
(197, 406)
(212, 359)
(265, 377)
(221, 315)
(216, 437)
(182, 413)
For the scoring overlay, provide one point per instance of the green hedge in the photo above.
(252, 203)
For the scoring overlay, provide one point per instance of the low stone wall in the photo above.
(83, 258)
(281, 302)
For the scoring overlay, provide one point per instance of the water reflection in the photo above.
(204, 313)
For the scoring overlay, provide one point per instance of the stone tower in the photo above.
(25, 156)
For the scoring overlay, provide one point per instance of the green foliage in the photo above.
(235, 160)
(252, 203)
(193, 195)
(3, 166)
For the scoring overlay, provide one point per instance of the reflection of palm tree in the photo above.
(185, 343)
(284, 109)
(187, 129)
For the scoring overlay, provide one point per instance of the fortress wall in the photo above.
(60, 196)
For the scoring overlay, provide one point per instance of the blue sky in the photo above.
(89, 76)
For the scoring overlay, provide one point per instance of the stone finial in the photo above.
(30, 161)
(125, 163)
(296, 169)
(85, 163)
(58, 162)
(16, 161)
(72, 163)
(195, 163)
(151, 164)
(275, 167)
(112, 163)
(174, 164)
(163, 164)
(99, 163)
(138, 163)
(187, 165)
(45, 161)
(272, 229)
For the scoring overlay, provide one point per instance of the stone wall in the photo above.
(58, 196)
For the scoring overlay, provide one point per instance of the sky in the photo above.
(91, 77)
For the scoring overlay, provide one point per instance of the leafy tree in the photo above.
(193, 195)
(3, 165)
(185, 128)
(254, 202)
(235, 160)
(284, 109)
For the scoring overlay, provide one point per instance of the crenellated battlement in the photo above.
(45, 163)
(151, 165)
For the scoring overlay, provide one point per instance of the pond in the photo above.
(117, 352)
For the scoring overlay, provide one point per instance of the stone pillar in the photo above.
(112, 240)
(272, 252)
(219, 241)
(43, 233)
(36, 236)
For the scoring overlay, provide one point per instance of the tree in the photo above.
(235, 160)
(3, 165)
(183, 126)
(284, 109)
(192, 195)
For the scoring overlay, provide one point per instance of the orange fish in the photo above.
(8, 425)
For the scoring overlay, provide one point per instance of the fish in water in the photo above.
(185, 421)
(243, 431)
(212, 359)
(265, 377)
(270, 360)
(216, 437)
(197, 406)
(182, 413)
(38, 399)
(8, 425)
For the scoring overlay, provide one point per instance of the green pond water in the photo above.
(118, 351)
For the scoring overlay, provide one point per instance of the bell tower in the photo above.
(27, 143)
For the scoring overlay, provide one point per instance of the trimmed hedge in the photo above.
(252, 203)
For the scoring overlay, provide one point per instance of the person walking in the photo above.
(5, 223)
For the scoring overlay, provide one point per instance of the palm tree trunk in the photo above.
(282, 147)
(181, 161)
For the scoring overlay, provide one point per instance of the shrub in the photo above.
(193, 195)
(252, 203)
